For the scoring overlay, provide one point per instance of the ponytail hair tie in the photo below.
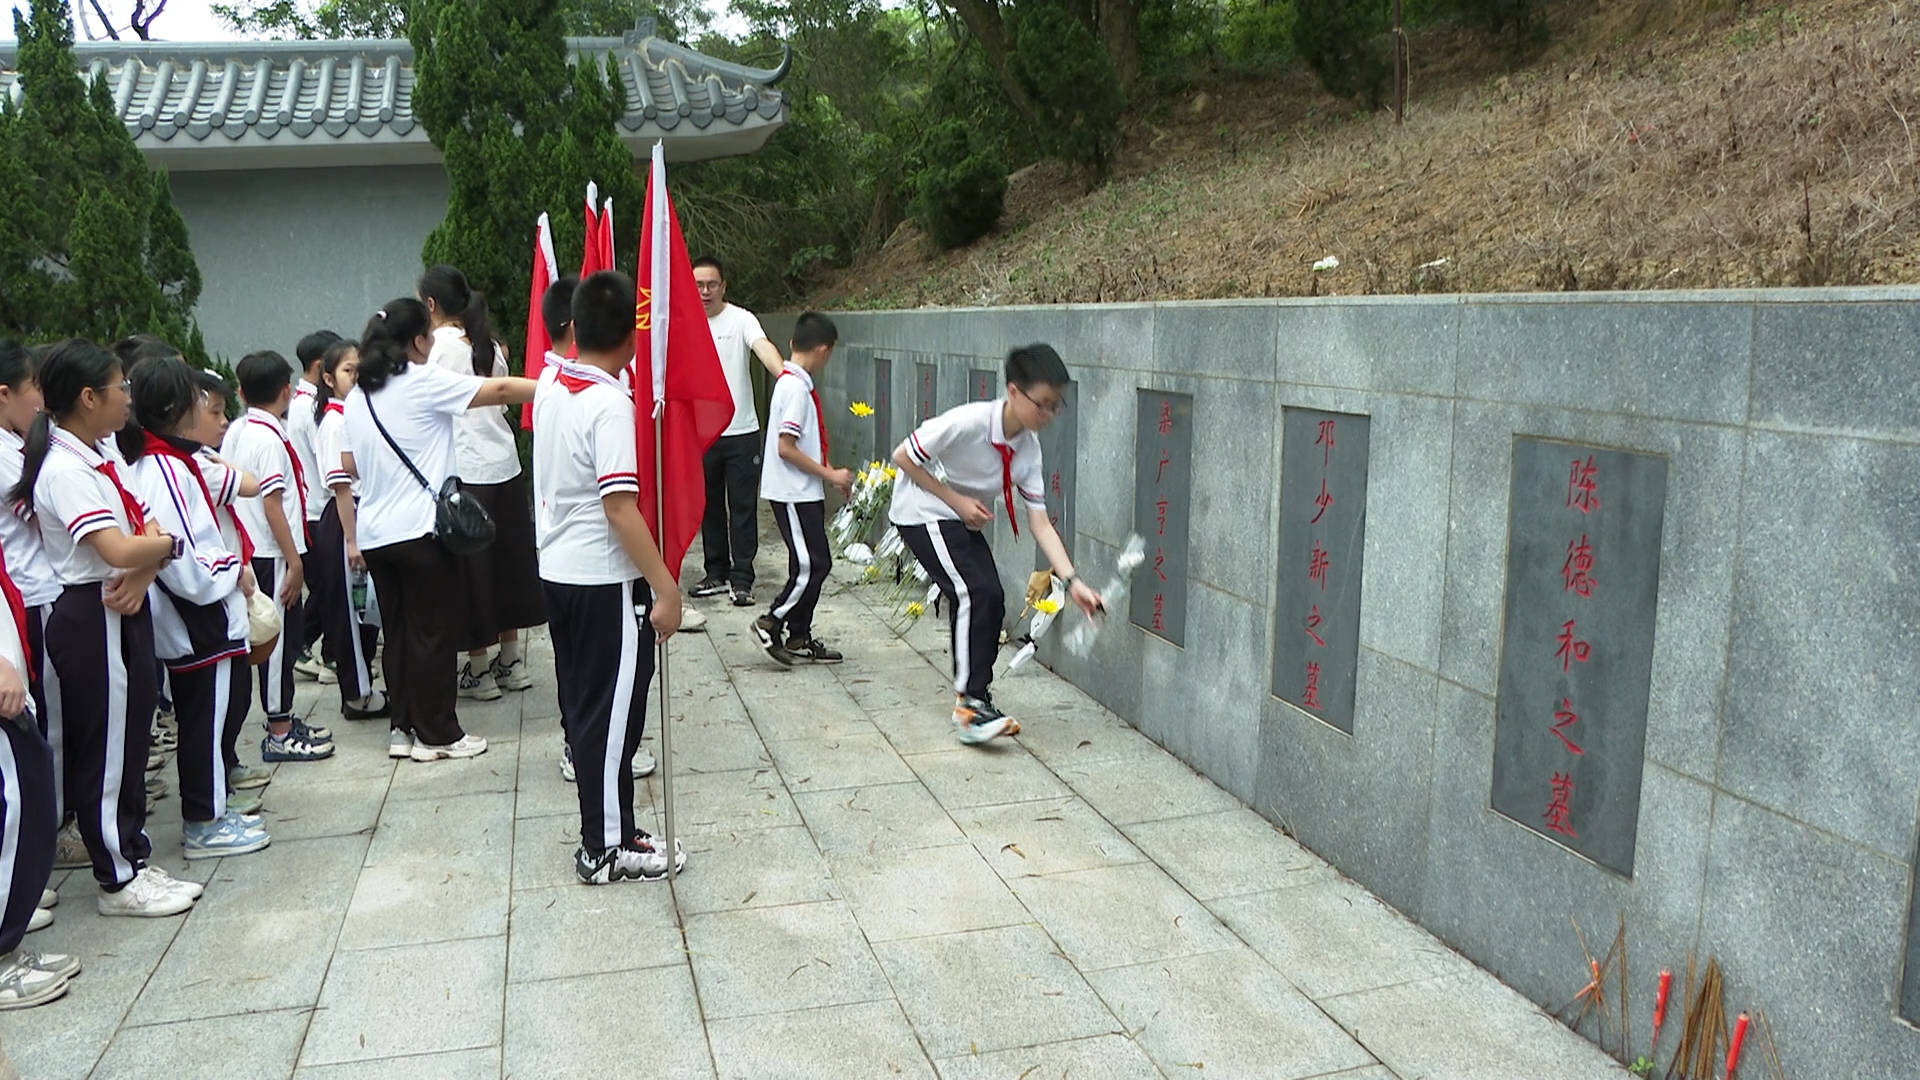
(382, 313)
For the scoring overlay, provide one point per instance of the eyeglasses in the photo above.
(1051, 408)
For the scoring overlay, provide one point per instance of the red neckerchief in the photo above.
(19, 608)
(157, 445)
(233, 517)
(819, 416)
(136, 517)
(336, 408)
(299, 474)
(1006, 482)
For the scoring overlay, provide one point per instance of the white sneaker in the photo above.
(146, 896)
(39, 920)
(643, 763)
(192, 889)
(23, 986)
(478, 685)
(692, 620)
(48, 898)
(69, 851)
(468, 746)
(399, 744)
(566, 763)
(511, 676)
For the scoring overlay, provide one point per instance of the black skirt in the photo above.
(502, 582)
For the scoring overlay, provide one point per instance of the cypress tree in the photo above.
(521, 131)
(90, 245)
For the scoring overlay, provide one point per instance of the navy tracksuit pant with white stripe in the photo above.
(46, 703)
(961, 564)
(104, 661)
(27, 825)
(804, 527)
(602, 664)
(209, 701)
(276, 675)
(330, 593)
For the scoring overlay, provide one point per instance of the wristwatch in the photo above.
(179, 549)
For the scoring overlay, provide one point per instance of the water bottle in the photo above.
(358, 591)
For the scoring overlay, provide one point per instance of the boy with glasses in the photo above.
(987, 451)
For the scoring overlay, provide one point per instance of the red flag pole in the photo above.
(659, 305)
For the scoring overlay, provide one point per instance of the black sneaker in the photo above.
(742, 595)
(812, 648)
(977, 721)
(768, 630)
(712, 586)
(624, 863)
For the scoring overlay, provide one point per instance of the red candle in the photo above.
(1660, 1004)
(1733, 1048)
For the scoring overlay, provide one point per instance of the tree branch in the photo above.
(105, 22)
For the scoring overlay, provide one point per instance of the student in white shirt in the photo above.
(792, 479)
(986, 450)
(27, 978)
(198, 603)
(105, 551)
(730, 528)
(336, 558)
(277, 522)
(416, 578)
(607, 585)
(503, 581)
(302, 432)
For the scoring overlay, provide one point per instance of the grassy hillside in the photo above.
(1653, 146)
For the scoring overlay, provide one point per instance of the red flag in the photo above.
(545, 273)
(687, 387)
(606, 234)
(593, 252)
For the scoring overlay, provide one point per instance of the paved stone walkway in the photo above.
(864, 898)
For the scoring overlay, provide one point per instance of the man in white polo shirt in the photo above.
(730, 531)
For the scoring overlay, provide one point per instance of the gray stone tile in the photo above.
(1203, 702)
(1065, 734)
(426, 900)
(578, 929)
(1103, 1057)
(1226, 1014)
(936, 890)
(481, 1064)
(991, 990)
(89, 1015)
(543, 851)
(929, 690)
(843, 1041)
(1103, 503)
(998, 772)
(1048, 837)
(849, 761)
(449, 993)
(1467, 1027)
(494, 771)
(1231, 339)
(261, 962)
(779, 959)
(811, 716)
(1691, 363)
(290, 875)
(711, 743)
(1146, 786)
(922, 728)
(540, 791)
(1836, 367)
(1406, 346)
(329, 808)
(545, 1021)
(1795, 916)
(1332, 937)
(242, 1047)
(476, 826)
(1117, 915)
(732, 801)
(764, 868)
(872, 820)
(1228, 853)
(1810, 694)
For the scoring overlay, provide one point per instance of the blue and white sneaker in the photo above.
(244, 819)
(291, 747)
(314, 733)
(223, 836)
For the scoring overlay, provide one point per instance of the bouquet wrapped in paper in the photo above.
(853, 523)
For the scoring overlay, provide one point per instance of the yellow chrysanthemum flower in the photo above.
(1049, 607)
(916, 609)
(860, 409)
(873, 573)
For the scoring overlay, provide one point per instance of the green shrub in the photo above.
(1345, 43)
(961, 188)
(1257, 35)
(1072, 84)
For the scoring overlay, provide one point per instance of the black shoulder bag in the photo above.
(460, 523)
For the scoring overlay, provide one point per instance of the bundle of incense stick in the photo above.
(1703, 1025)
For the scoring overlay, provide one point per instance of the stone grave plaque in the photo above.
(1910, 992)
(924, 406)
(983, 384)
(884, 439)
(1323, 535)
(1162, 499)
(1059, 442)
(1576, 653)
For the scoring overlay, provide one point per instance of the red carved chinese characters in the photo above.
(1580, 486)
(1159, 611)
(1322, 501)
(1317, 566)
(1166, 417)
(1576, 573)
(1161, 472)
(1310, 697)
(1325, 438)
(1571, 650)
(1559, 815)
(1319, 562)
(1160, 516)
(1159, 560)
(1564, 717)
(1313, 623)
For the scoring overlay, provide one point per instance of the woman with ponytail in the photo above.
(399, 420)
(336, 557)
(199, 603)
(105, 551)
(502, 582)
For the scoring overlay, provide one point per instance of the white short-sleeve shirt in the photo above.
(965, 440)
(735, 330)
(584, 450)
(331, 439)
(418, 406)
(484, 450)
(302, 432)
(258, 443)
(791, 412)
(26, 555)
(72, 500)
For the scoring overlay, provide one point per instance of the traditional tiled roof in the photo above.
(224, 105)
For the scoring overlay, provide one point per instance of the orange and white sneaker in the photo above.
(976, 720)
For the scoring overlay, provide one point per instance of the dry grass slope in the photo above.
(1655, 147)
